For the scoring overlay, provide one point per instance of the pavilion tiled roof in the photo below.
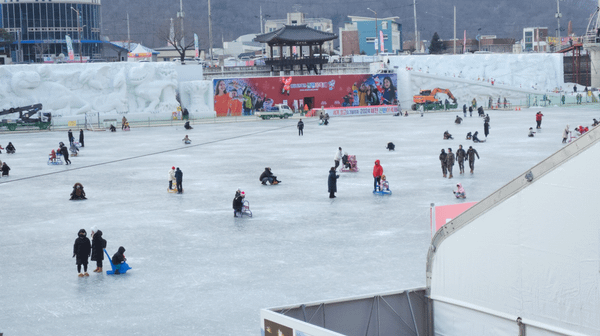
(300, 34)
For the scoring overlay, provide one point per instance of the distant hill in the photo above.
(232, 18)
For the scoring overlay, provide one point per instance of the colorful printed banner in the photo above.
(70, 47)
(244, 96)
(381, 40)
(347, 111)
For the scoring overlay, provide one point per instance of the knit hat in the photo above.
(173, 167)
(94, 228)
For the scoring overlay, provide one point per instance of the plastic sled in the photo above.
(174, 190)
(245, 210)
(383, 191)
(56, 161)
(124, 266)
(463, 196)
(353, 165)
(187, 142)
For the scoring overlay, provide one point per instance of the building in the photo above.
(298, 18)
(169, 53)
(486, 43)
(534, 39)
(362, 31)
(40, 28)
(242, 45)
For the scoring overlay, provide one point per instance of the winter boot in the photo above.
(275, 182)
(96, 270)
(444, 175)
(80, 275)
(99, 269)
(450, 176)
(471, 171)
(86, 274)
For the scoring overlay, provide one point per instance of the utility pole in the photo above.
(78, 34)
(210, 40)
(454, 30)
(181, 14)
(261, 21)
(416, 31)
(376, 33)
(558, 15)
(128, 35)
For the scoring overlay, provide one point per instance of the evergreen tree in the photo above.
(436, 46)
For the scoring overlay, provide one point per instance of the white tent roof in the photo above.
(530, 251)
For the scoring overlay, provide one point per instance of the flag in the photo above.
(70, 47)
(196, 45)
(381, 39)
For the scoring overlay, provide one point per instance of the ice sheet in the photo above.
(196, 269)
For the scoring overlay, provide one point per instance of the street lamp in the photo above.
(79, 34)
(376, 32)
(479, 39)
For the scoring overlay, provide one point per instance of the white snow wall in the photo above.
(470, 76)
(534, 255)
(141, 89)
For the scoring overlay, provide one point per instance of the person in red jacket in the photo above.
(377, 172)
(538, 119)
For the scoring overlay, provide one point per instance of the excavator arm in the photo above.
(445, 91)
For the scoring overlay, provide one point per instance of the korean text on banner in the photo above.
(70, 47)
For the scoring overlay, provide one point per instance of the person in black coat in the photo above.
(78, 193)
(470, 111)
(238, 202)
(486, 128)
(332, 182)
(81, 251)
(81, 137)
(118, 258)
(267, 176)
(10, 149)
(465, 110)
(187, 126)
(71, 137)
(98, 246)
(65, 153)
(300, 128)
(179, 180)
(5, 169)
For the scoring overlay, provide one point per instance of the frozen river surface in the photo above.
(197, 270)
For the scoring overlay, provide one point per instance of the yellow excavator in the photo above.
(430, 102)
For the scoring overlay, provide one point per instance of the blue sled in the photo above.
(122, 270)
(382, 192)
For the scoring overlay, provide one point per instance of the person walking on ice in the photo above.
(566, 134)
(179, 180)
(171, 177)
(538, 119)
(449, 162)
(81, 251)
(377, 172)
(338, 157)
(332, 182)
(460, 158)
(471, 153)
(300, 128)
(98, 246)
(442, 158)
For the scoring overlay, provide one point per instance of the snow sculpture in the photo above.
(71, 89)
(196, 97)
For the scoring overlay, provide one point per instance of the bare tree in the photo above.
(40, 49)
(174, 38)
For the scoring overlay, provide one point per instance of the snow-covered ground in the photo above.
(196, 268)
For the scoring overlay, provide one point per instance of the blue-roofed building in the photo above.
(359, 35)
(40, 28)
